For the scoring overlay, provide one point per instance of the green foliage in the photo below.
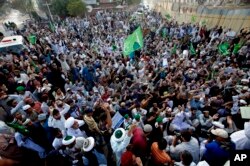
(59, 7)
(76, 8)
(133, 2)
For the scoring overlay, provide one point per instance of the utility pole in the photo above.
(46, 4)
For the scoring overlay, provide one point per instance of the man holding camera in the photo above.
(188, 143)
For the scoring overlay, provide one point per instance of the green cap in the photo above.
(118, 134)
(159, 119)
(137, 117)
(20, 88)
(126, 116)
(68, 137)
(68, 140)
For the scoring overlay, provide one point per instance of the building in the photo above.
(226, 13)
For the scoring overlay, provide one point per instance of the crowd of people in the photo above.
(180, 99)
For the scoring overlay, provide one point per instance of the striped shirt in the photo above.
(159, 156)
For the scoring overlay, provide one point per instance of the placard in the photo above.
(245, 112)
(117, 120)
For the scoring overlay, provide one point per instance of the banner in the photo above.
(133, 42)
(245, 112)
(117, 120)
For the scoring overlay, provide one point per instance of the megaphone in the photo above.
(89, 8)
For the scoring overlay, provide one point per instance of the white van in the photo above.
(12, 44)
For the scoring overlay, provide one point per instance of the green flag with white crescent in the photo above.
(133, 42)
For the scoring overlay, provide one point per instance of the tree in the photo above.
(2, 2)
(4, 6)
(76, 8)
(133, 2)
(59, 7)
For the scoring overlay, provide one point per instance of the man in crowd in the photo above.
(183, 80)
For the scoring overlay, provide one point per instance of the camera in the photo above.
(178, 134)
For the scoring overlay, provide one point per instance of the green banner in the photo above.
(133, 42)
(32, 39)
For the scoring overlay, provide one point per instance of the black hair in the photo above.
(55, 131)
(162, 144)
(9, 103)
(103, 116)
(187, 158)
(55, 112)
(69, 101)
(186, 135)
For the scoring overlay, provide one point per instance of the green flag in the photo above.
(168, 17)
(114, 47)
(19, 128)
(204, 22)
(133, 42)
(51, 27)
(173, 51)
(237, 48)
(193, 19)
(192, 50)
(164, 32)
(32, 39)
(223, 48)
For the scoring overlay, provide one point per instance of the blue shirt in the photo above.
(195, 104)
(215, 154)
(87, 74)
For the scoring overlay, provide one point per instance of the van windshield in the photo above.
(16, 49)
